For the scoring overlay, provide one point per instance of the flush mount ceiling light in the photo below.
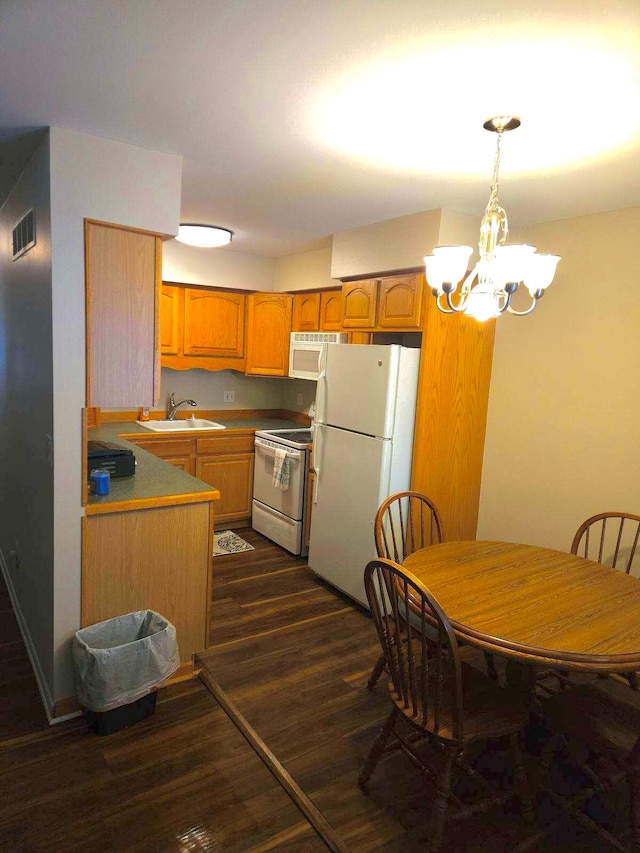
(203, 236)
(501, 268)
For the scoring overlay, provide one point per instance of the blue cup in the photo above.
(99, 481)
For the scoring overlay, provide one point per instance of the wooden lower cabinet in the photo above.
(185, 463)
(158, 559)
(233, 476)
(224, 460)
(180, 452)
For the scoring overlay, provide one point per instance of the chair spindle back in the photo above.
(426, 674)
(404, 523)
(610, 538)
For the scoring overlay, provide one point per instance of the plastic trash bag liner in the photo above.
(122, 659)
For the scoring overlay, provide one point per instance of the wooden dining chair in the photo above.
(441, 698)
(606, 729)
(610, 538)
(406, 522)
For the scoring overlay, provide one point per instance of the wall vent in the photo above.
(24, 235)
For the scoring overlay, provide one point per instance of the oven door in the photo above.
(291, 501)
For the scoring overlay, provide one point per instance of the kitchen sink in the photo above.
(182, 425)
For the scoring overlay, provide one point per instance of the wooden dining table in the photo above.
(535, 605)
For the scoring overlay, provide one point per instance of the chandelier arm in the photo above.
(534, 302)
(451, 307)
(465, 288)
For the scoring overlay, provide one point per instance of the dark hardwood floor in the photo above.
(294, 657)
(183, 780)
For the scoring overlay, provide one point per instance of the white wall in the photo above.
(221, 267)
(564, 407)
(114, 182)
(26, 414)
(304, 271)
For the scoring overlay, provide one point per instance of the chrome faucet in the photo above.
(172, 406)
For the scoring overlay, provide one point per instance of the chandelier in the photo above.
(501, 268)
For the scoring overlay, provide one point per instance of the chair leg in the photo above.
(520, 780)
(634, 807)
(439, 812)
(377, 749)
(491, 667)
(376, 673)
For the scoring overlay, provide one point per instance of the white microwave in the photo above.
(306, 351)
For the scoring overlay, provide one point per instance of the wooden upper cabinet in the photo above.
(400, 301)
(213, 323)
(331, 311)
(202, 327)
(268, 333)
(306, 312)
(359, 302)
(122, 268)
(170, 319)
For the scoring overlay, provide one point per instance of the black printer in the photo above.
(114, 458)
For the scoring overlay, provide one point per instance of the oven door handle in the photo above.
(266, 448)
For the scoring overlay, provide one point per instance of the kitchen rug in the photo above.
(227, 542)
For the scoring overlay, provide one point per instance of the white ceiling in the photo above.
(300, 118)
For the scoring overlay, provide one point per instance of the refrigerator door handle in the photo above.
(317, 458)
(322, 385)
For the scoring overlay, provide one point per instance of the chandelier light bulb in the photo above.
(502, 267)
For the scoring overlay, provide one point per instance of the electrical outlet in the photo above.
(229, 396)
(299, 400)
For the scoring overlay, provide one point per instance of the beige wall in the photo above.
(221, 267)
(564, 408)
(395, 244)
(304, 271)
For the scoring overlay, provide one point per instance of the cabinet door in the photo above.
(359, 304)
(268, 334)
(122, 285)
(331, 311)
(185, 463)
(306, 312)
(400, 301)
(170, 319)
(213, 323)
(233, 477)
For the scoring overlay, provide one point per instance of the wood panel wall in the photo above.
(451, 413)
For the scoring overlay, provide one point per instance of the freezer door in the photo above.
(358, 387)
(352, 478)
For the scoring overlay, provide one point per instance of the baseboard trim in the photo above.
(43, 687)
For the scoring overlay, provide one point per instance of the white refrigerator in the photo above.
(365, 413)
